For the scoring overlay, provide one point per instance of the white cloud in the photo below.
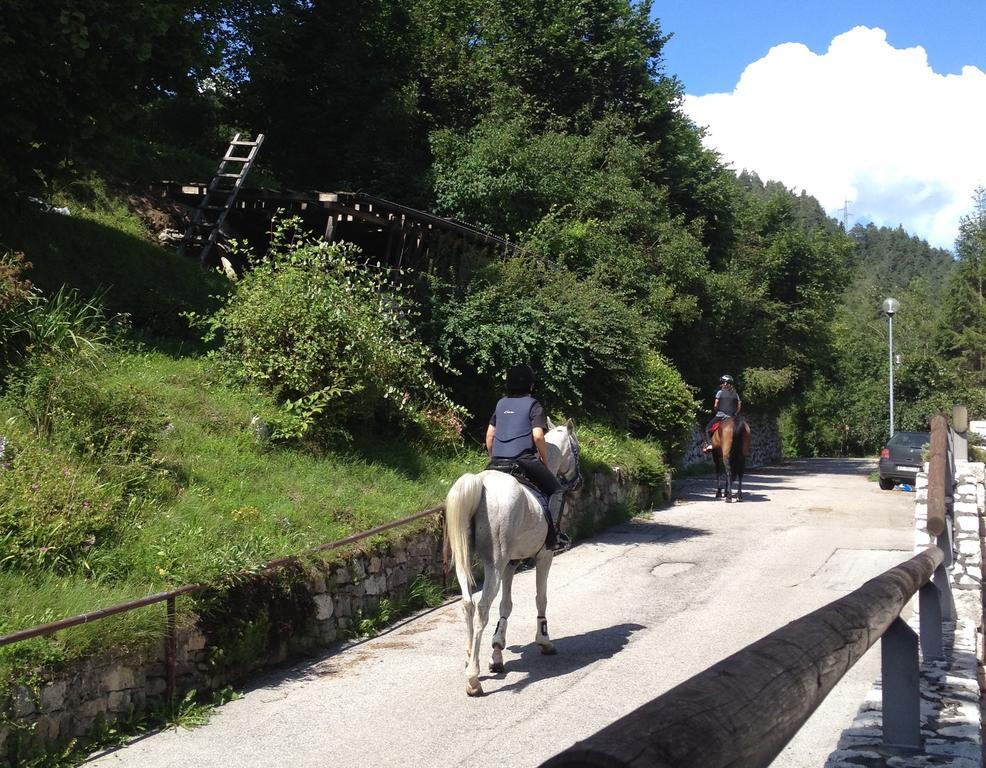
(865, 122)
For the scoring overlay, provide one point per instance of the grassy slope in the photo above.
(233, 503)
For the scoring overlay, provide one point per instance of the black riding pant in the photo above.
(540, 475)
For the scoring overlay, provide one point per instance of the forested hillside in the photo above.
(161, 424)
(555, 124)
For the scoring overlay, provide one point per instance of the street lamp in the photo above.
(890, 308)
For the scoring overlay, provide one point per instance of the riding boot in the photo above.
(556, 506)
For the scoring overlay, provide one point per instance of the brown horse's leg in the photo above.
(717, 460)
(726, 442)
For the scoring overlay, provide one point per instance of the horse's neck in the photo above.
(556, 450)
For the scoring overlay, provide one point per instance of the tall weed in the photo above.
(54, 509)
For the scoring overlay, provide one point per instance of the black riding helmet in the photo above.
(520, 380)
(725, 379)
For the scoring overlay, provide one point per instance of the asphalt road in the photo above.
(632, 612)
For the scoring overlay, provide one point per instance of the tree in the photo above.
(75, 76)
(333, 86)
(964, 322)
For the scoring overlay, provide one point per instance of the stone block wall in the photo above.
(968, 504)
(765, 443)
(71, 702)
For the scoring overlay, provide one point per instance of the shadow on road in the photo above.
(703, 488)
(640, 530)
(837, 466)
(574, 653)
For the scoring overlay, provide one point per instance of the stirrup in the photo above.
(562, 542)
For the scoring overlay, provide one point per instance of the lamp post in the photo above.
(890, 308)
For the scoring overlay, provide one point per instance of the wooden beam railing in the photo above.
(941, 477)
(937, 475)
(744, 710)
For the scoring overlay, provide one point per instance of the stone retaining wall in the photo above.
(321, 610)
(765, 443)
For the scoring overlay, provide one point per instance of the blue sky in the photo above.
(877, 102)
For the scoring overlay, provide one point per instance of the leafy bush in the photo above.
(331, 339)
(582, 338)
(766, 388)
(66, 401)
(662, 405)
(14, 287)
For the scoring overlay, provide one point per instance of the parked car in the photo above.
(900, 460)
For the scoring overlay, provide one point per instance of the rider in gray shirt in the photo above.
(728, 403)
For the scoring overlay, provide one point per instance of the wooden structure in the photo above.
(394, 235)
(214, 206)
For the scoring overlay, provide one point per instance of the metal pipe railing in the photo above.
(171, 595)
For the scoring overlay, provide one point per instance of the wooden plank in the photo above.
(743, 710)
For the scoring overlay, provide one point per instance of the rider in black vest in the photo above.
(516, 432)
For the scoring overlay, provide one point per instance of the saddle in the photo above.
(516, 471)
(739, 421)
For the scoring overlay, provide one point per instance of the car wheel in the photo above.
(886, 484)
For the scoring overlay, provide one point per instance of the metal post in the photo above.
(901, 686)
(929, 613)
(940, 580)
(891, 318)
(170, 651)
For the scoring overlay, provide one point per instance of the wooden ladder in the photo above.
(208, 218)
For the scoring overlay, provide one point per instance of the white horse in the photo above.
(496, 517)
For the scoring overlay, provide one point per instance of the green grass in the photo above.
(213, 499)
(605, 448)
(232, 504)
(102, 250)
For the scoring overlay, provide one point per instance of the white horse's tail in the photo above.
(460, 506)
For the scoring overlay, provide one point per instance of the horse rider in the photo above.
(516, 432)
(727, 403)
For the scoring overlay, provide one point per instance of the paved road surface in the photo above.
(633, 612)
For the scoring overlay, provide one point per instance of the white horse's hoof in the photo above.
(547, 649)
(474, 691)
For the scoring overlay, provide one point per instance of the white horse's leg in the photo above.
(544, 558)
(468, 609)
(491, 584)
(500, 633)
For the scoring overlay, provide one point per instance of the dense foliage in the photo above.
(331, 340)
(553, 123)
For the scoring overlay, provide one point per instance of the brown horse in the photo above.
(730, 447)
